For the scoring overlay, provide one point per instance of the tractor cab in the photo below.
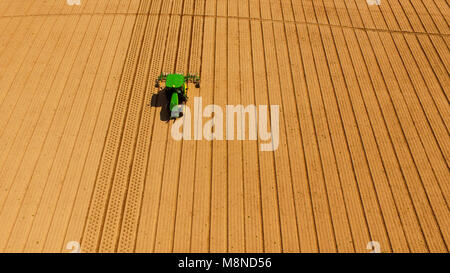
(176, 91)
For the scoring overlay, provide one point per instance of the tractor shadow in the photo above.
(161, 99)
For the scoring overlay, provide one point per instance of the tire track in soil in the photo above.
(165, 52)
(171, 183)
(183, 217)
(364, 193)
(253, 233)
(351, 198)
(389, 159)
(93, 148)
(99, 201)
(88, 103)
(411, 156)
(377, 193)
(288, 223)
(151, 148)
(423, 95)
(37, 184)
(270, 211)
(137, 182)
(53, 150)
(113, 218)
(160, 131)
(200, 230)
(236, 211)
(418, 120)
(218, 237)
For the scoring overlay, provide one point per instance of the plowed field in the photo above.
(363, 128)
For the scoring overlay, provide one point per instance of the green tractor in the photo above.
(176, 89)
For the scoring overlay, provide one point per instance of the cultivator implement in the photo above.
(189, 78)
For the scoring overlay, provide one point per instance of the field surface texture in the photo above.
(363, 127)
